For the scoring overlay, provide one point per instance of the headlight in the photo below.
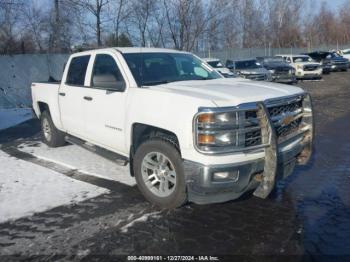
(300, 67)
(272, 71)
(217, 132)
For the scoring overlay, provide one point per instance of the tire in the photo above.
(146, 161)
(51, 135)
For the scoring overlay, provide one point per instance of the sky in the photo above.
(334, 4)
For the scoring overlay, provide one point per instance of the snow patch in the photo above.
(143, 218)
(74, 157)
(14, 116)
(26, 188)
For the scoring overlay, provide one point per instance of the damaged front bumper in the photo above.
(205, 186)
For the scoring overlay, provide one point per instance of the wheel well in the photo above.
(43, 107)
(142, 132)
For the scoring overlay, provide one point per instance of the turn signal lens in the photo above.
(206, 139)
(206, 118)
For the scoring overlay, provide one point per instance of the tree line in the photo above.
(40, 26)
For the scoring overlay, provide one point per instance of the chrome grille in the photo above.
(286, 130)
(278, 113)
(256, 77)
(252, 138)
(286, 108)
(310, 67)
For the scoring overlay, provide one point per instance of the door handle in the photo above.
(62, 94)
(88, 98)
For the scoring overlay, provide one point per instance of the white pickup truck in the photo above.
(305, 67)
(188, 133)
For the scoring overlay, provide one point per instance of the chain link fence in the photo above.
(247, 53)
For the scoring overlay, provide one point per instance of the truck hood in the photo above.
(253, 71)
(308, 63)
(229, 91)
(277, 65)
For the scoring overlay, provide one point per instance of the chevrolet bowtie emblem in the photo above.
(287, 120)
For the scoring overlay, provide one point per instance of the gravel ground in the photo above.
(307, 214)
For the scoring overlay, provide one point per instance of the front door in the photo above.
(105, 111)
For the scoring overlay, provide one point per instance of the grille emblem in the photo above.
(287, 120)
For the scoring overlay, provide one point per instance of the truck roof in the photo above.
(210, 59)
(128, 50)
(293, 55)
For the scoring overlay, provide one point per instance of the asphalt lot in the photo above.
(307, 214)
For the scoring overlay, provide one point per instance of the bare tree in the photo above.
(36, 23)
(187, 21)
(141, 12)
(121, 12)
(9, 25)
(157, 28)
(96, 8)
(284, 22)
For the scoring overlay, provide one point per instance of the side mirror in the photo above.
(109, 82)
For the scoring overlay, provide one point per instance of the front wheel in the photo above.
(159, 173)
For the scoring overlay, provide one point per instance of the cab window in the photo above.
(77, 70)
(106, 74)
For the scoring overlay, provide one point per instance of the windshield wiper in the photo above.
(153, 83)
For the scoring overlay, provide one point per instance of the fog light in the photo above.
(226, 176)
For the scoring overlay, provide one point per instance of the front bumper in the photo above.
(339, 67)
(261, 174)
(289, 79)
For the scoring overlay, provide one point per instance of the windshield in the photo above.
(249, 64)
(159, 68)
(302, 59)
(334, 55)
(215, 64)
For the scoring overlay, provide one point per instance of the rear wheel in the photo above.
(51, 135)
(159, 173)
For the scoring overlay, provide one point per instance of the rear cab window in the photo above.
(77, 70)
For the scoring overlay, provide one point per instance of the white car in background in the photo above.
(305, 67)
(218, 66)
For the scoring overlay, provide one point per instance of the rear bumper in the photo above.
(260, 174)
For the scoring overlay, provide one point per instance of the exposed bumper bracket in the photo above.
(269, 137)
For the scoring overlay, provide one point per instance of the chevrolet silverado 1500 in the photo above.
(188, 133)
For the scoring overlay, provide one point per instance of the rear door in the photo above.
(71, 95)
(105, 111)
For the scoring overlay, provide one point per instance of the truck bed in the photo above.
(45, 93)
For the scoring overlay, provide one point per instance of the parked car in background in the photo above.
(281, 71)
(322, 58)
(345, 53)
(331, 61)
(249, 69)
(188, 133)
(305, 67)
(217, 65)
